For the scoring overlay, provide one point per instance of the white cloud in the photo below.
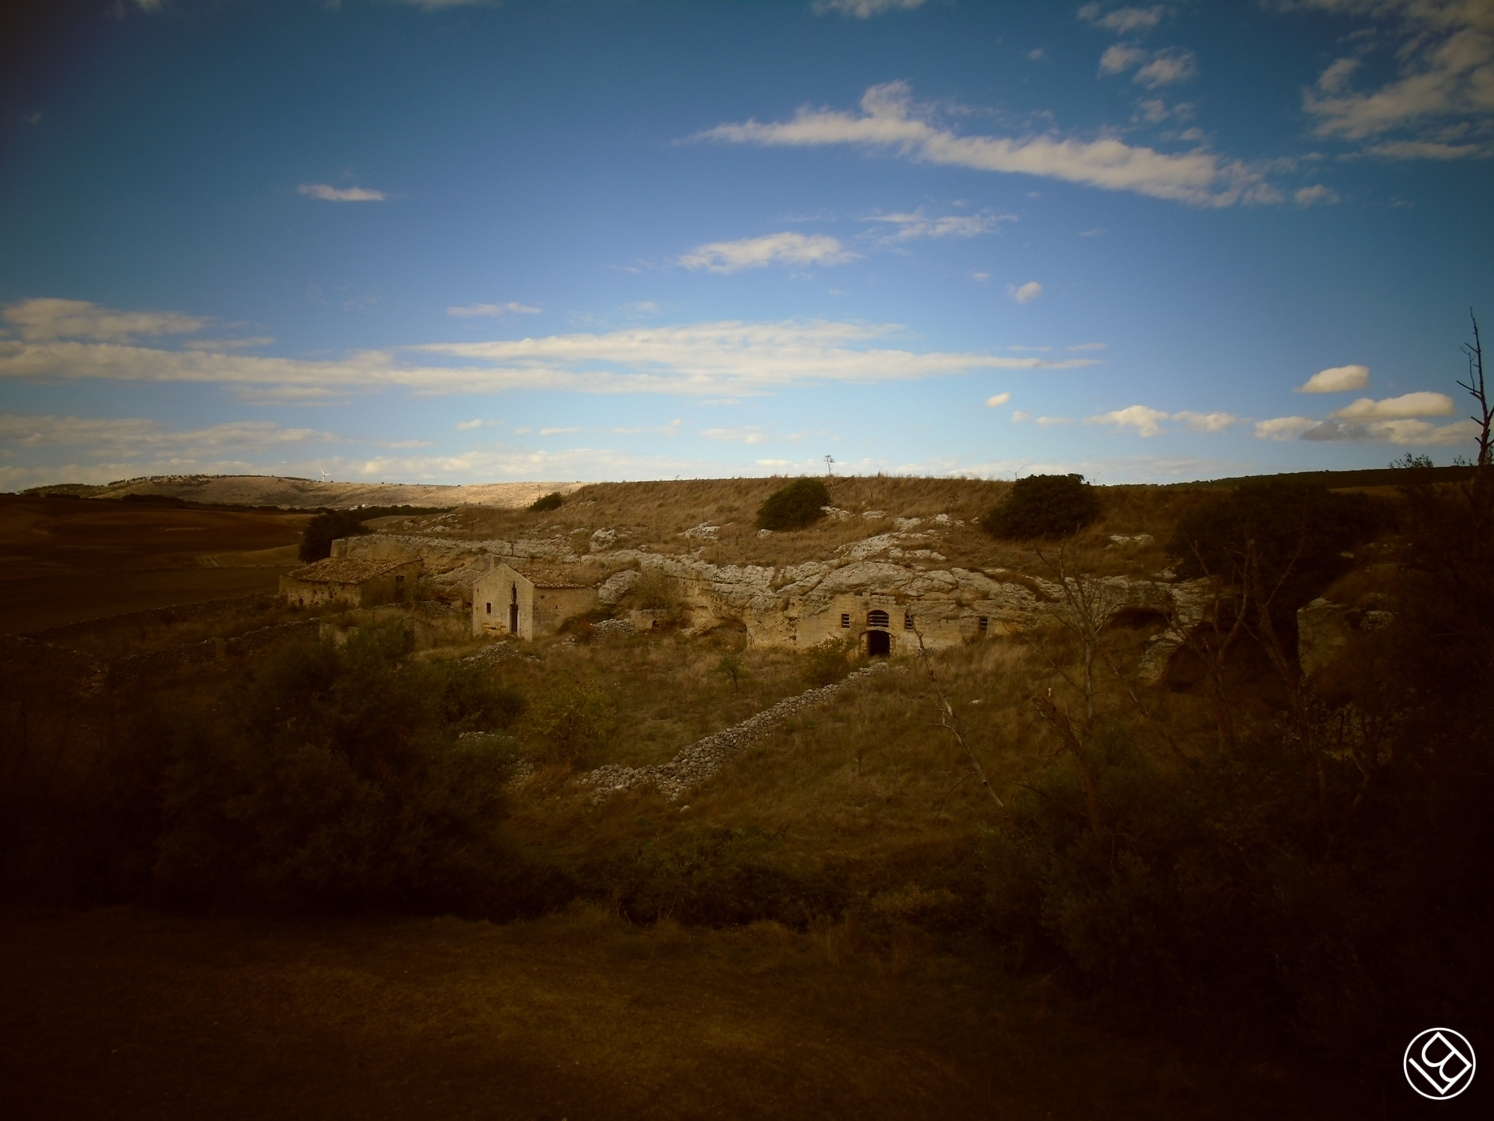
(1283, 427)
(1336, 379)
(493, 310)
(341, 194)
(863, 9)
(917, 224)
(1144, 420)
(1123, 21)
(1404, 433)
(132, 438)
(998, 400)
(1207, 422)
(748, 434)
(976, 274)
(1020, 415)
(1120, 58)
(1444, 75)
(1026, 293)
(1393, 408)
(890, 120)
(1037, 54)
(1306, 196)
(755, 252)
(469, 425)
(559, 431)
(1154, 69)
(703, 359)
(43, 320)
(1087, 346)
(1050, 421)
(670, 429)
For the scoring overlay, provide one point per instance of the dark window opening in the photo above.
(907, 621)
(845, 622)
(985, 624)
(490, 609)
(878, 619)
(399, 579)
(878, 644)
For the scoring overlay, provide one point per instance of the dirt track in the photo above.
(67, 560)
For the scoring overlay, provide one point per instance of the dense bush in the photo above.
(795, 506)
(340, 781)
(552, 501)
(327, 527)
(572, 723)
(1044, 506)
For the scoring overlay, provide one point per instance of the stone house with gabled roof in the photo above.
(350, 583)
(530, 602)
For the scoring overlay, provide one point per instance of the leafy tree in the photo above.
(552, 501)
(1048, 506)
(327, 527)
(795, 506)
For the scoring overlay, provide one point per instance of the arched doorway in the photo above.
(878, 644)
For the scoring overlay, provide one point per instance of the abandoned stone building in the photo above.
(350, 583)
(529, 602)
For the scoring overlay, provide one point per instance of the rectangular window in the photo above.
(985, 624)
(907, 621)
(490, 609)
(845, 622)
(399, 579)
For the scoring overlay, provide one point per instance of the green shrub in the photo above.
(572, 722)
(552, 501)
(656, 591)
(795, 506)
(340, 781)
(824, 664)
(327, 527)
(1044, 506)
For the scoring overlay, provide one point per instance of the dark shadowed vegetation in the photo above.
(1044, 506)
(795, 506)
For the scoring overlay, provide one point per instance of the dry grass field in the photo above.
(119, 1013)
(66, 560)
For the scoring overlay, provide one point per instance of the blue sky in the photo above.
(465, 241)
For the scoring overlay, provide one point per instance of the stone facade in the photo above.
(348, 583)
(528, 603)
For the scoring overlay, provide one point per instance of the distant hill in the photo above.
(272, 490)
(1338, 480)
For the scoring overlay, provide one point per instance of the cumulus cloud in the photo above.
(1403, 433)
(890, 121)
(469, 425)
(493, 310)
(1336, 379)
(341, 194)
(916, 224)
(43, 320)
(1206, 422)
(863, 9)
(1025, 293)
(1122, 21)
(1120, 58)
(1146, 421)
(1444, 79)
(755, 252)
(1394, 408)
(1283, 427)
(995, 402)
(705, 359)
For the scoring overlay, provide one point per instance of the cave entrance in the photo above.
(878, 644)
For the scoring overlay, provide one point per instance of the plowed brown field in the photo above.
(68, 560)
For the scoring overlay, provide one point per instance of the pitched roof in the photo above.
(343, 570)
(556, 578)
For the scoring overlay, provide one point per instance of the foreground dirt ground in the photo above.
(122, 1013)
